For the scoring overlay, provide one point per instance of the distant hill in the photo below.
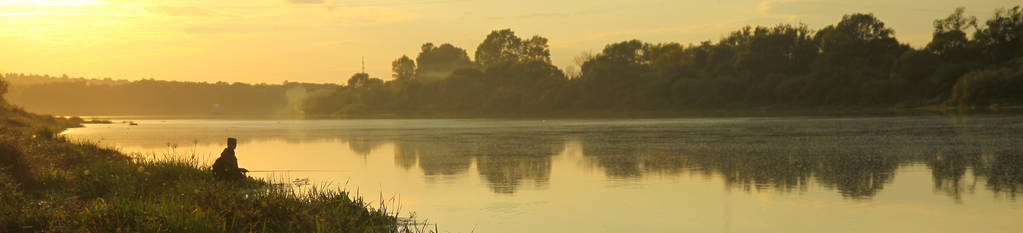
(19, 79)
(83, 96)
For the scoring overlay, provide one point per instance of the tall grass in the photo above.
(51, 184)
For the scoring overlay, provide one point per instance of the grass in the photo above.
(51, 184)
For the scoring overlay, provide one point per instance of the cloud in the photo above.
(210, 29)
(769, 8)
(372, 15)
(529, 16)
(306, 1)
(182, 11)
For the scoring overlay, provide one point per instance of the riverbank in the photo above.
(695, 113)
(51, 184)
(709, 112)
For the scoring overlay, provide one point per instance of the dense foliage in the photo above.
(856, 62)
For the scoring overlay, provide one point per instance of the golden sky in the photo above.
(324, 40)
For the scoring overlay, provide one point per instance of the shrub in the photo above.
(12, 161)
(3, 87)
(989, 86)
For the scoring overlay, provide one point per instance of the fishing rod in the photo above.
(298, 170)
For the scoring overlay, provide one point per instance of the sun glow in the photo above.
(59, 3)
(67, 22)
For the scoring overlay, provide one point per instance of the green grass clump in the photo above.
(50, 184)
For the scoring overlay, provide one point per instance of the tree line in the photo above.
(856, 62)
(81, 96)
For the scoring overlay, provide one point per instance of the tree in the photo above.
(669, 60)
(524, 75)
(464, 89)
(915, 66)
(1002, 40)
(855, 28)
(358, 80)
(499, 47)
(860, 43)
(503, 46)
(523, 86)
(612, 75)
(404, 68)
(949, 40)
(619, 61)
(536, 49)
(632, 51)
(436, 63)
(783, 49)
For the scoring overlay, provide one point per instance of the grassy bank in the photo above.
(50, 184)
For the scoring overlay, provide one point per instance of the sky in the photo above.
(325, 41)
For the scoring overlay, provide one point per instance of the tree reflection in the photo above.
(617, 154)
(504, 160)
(362, 145)
(990, 151)
(1004, 174)
(435, 157)
(514, 158)
(856, 176)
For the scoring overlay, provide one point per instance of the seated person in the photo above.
(226, 167)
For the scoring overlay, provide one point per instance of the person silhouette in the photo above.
(226, 167)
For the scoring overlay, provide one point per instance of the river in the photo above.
(807, 174)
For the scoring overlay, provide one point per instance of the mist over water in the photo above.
(883, 174)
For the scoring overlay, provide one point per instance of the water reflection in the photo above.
(504, 159)
(856, 157)
(999, 171)
(778, 155)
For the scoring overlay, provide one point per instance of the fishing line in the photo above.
(298, 170)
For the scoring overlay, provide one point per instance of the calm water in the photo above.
(892, 174)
